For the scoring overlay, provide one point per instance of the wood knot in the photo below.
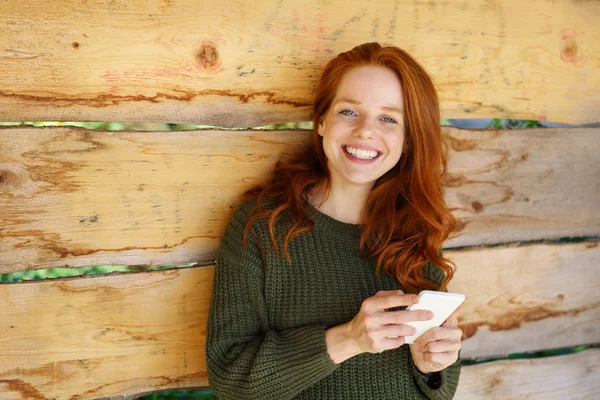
(477, 206)
(208, 56)
(75, 45)
(10, 180)
(569, 51)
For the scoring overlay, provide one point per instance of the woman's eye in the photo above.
(390, 120)
(347, 112)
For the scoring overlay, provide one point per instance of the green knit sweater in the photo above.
(265, 333)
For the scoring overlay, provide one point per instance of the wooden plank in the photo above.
(133, 333)
(527, 298)
(85, 338)
(573, 376)
(251, 63)
(506, 186)
(73, 197)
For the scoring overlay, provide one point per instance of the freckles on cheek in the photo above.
(336, 123)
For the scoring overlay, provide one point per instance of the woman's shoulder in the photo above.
(246, 207)
(249, 208)
(258, 232)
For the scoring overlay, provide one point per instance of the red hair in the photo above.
(406, 217)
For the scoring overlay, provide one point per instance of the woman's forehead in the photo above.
(373, 85)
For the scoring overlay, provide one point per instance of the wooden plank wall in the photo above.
(132, 333)
(78, 198)
(72, 197)
(248, 63)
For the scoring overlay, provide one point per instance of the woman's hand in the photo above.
(438, 347)
(373, 329)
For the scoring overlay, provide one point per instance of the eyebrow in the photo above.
(386, 108)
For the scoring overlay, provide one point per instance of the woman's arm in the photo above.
(440, 385)
(245, 358)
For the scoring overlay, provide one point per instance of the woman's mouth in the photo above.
(361, 156)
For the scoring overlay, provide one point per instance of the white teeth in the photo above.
(360, 153)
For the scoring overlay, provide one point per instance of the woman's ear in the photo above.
(320, 127)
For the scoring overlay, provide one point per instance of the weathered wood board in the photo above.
(568, 377)
(526, 298)
(74, 197)
(79, 338)
(100, 336)
(523, 185)
(250, 63)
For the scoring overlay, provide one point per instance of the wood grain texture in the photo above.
(73, 197)
(83, 338)
(249, 63)
(527, 298)
(568, 377)
(86, 338)
(532, 184)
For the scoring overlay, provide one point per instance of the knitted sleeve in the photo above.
(440, 385)
(246, 359)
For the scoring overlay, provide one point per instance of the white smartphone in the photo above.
(441, 304)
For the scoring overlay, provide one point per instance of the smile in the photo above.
(360, 154)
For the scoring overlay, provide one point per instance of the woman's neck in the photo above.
(344, 203)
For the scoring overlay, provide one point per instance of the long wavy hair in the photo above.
(406, 217)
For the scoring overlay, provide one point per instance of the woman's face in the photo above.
(363, 129)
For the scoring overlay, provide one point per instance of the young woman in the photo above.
(316, 268)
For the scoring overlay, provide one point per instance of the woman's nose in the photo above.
(364, 129)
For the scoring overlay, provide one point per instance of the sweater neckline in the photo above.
(331, 225)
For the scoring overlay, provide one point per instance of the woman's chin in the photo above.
(361, 180)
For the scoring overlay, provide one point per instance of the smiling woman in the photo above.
(363, 126)
(300, 307)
